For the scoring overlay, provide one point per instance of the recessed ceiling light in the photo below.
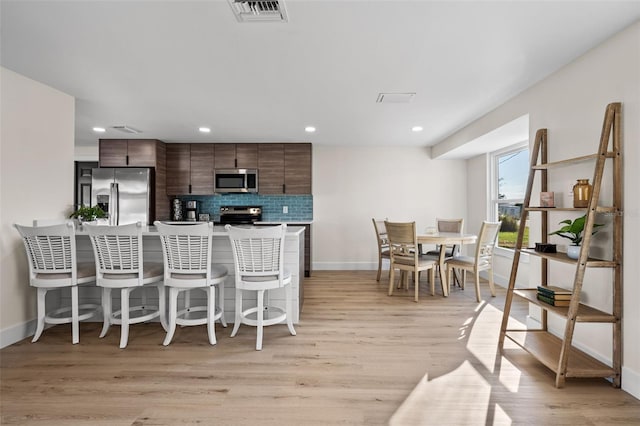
(204, 130)
(99, 129)
(416, 129)
(309, 129)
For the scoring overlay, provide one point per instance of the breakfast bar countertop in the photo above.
(218, 230)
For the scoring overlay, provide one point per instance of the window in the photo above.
(510, 172)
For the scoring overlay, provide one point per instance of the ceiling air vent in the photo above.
(395, 98)
(127, 129)
(259, 11)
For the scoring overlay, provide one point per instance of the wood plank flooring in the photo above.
(359, 358)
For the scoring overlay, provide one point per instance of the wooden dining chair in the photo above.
(483, 259)
(447, 225)
(404, 256)
(383, 243)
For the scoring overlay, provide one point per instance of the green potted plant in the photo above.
(573, 231)
(88, 214)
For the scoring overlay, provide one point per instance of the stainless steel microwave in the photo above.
(235, 180)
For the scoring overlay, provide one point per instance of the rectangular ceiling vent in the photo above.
(395, 98)
(127, 129)
(259, 11)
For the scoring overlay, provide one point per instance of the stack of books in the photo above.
(556, 296)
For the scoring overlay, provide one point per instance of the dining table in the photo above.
(442, 239)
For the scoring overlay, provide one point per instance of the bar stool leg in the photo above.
(211, 314)
(42, 306)
(106, 310)
(238, 314)
(260, 319)
(75, 321)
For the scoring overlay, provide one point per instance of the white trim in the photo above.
(349, 266)
(18, 332)
(631, 382)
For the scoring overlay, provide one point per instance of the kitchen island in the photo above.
(221, 254)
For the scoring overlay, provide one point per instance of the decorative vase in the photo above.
(573, 252)
(581, 193)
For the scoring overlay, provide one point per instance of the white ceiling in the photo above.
(168, 67)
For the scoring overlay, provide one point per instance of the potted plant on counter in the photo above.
(573, 231)
(88, 214)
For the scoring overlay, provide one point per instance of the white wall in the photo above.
(351, 185)
(571, 104)
(36, 179)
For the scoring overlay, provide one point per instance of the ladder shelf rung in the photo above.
(585, 313)
(546, 347)
(599, 209)
(562, 257)
(545, 166)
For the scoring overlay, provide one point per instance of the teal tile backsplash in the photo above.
(300, 206)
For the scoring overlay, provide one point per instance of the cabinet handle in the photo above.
(284, 188)
(127, 160)
(189, 188)
(236, 163)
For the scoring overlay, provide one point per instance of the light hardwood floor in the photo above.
(360, 358)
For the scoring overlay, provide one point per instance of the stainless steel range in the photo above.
(236, 215)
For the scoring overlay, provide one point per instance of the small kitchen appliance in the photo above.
(177, 213)
(191, 211)
(240, 215)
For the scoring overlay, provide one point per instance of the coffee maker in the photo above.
(191, 211)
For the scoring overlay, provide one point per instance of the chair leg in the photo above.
(416, 282)
(173, 313)
(260, 319)
(162, 306)
(220, 287)
(432, 279)
(238, 314)
(211, 314)
(477, 282)
(379, 266)
(75, 322)
(491, 286)
(288, 307)
(124, 310)
(42, 310)
(392, 273)
(106, 311)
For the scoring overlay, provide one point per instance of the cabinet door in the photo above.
(225, 156)
(247, 155)
(202, 168)
(178, 168)
(112, 152)
(297, 168)
(141, 152)
(271, 168)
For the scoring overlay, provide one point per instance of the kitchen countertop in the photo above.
(218, 230)
(288, 222)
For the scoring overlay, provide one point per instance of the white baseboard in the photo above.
(14, 334)
(631, 382)
(348, 266)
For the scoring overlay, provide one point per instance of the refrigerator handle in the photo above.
(114, 208)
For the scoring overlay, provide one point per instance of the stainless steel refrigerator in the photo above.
(124, 193)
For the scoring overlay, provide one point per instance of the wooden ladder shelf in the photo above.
(558, 353)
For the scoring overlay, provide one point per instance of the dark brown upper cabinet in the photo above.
(284, 168)
(127, 152)
(297, 168)
(236, 156)
(190, 168)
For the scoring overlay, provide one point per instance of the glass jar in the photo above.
(581, 193)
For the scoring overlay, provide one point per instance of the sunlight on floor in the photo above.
(438, 401)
